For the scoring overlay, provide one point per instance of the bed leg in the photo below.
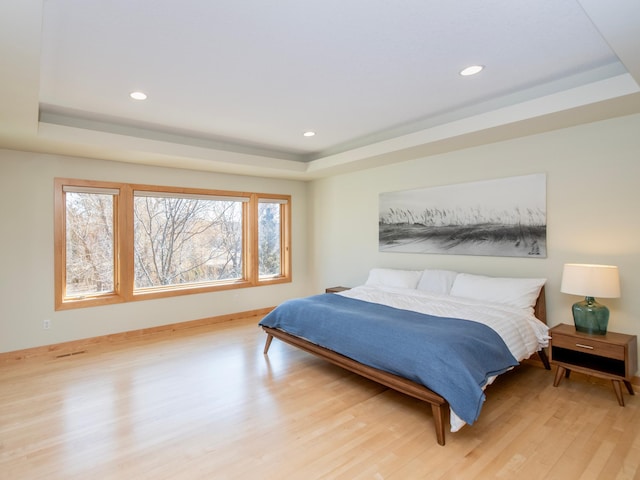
(268, 343)
(440, 420)
(543, 357)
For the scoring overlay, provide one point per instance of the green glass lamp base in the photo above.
(590, 316)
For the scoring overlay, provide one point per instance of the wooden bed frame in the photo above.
(439, 406)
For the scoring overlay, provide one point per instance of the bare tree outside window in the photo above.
(186, 240)
(89, 245)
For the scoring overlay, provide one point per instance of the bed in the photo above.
(436, 335)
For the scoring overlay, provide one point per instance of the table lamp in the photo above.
(591, 281)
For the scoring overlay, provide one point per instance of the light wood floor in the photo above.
(206, 404)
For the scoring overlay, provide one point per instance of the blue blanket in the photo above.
(452, 357)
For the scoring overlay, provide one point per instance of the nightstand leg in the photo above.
(629, 387)
(559, 372)
(618, 389)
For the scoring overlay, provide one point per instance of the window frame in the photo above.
(123, 235)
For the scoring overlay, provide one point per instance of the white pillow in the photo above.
(389, 277)
(437, 281)
(516, 292)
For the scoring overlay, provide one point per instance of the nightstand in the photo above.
(336, 289)
(612, 356)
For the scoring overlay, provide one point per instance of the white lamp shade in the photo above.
(601, 281)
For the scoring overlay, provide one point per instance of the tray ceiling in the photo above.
(232, 86)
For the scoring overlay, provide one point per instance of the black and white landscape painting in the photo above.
(504, 217)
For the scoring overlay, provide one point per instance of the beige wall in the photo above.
(593, 193)
(26, 256)
(593, 197)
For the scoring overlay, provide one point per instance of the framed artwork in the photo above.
(504, 217)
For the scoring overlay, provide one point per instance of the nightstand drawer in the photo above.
(589, 345)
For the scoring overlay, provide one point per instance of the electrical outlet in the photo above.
(46, 324)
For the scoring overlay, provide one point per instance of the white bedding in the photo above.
(523, 334)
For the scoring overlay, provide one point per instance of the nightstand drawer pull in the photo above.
(584, 346)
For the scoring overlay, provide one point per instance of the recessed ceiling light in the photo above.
(309, 134)
(472, 70)
(138, 95)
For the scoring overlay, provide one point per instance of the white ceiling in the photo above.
(233, 84)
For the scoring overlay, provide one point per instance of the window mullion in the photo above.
(251, 244)
(124, 259)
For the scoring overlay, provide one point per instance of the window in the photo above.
(181, 239)
(89, 245)
(121, 242)
(269, 238)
